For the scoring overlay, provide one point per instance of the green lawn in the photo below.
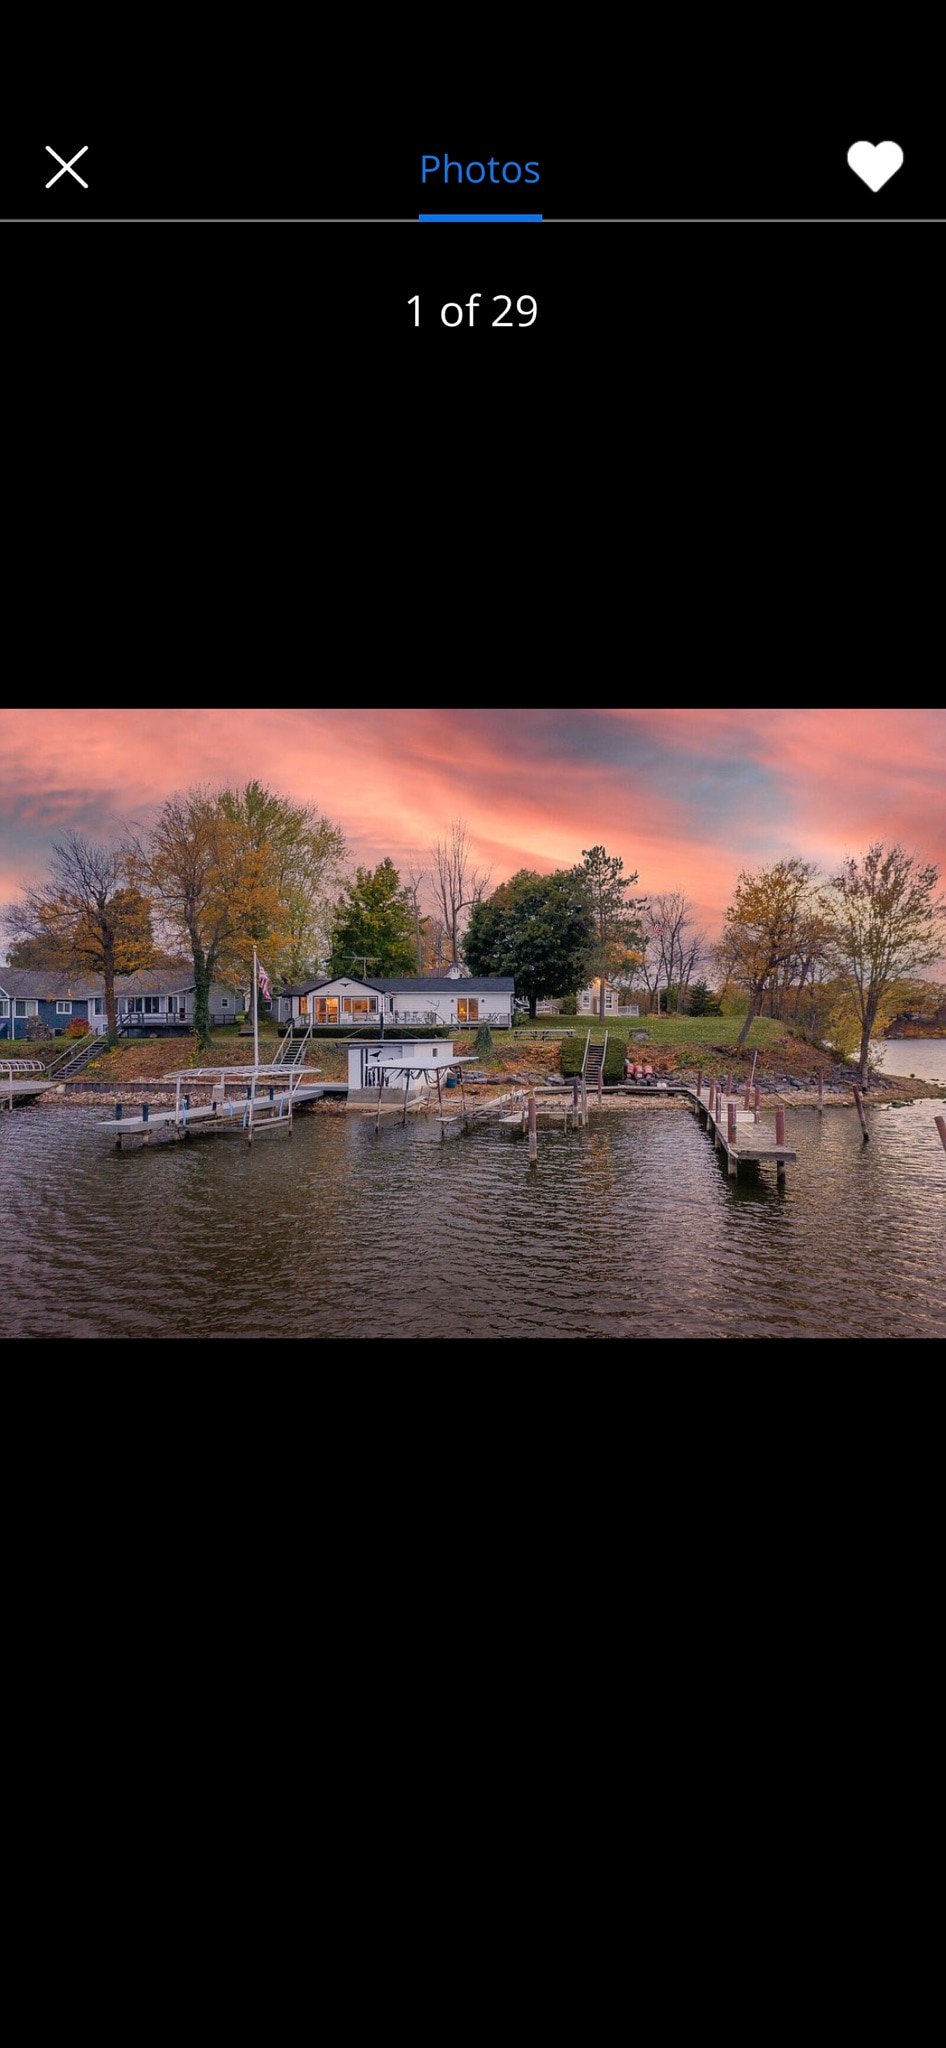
(662, 1031)
(684, 1042)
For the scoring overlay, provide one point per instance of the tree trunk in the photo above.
(202, 1014)
(111, 1011)
(863, 1058)
(751, 1015)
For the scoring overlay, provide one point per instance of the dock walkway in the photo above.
(22, 1081)
(739, 1132)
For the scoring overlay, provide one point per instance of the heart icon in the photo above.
(875, 162)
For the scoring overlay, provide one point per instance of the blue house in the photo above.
(156, 1001)
(33, 995)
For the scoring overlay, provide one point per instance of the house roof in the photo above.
(410, 984)
(49, 987)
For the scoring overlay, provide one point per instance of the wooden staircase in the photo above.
(593, 1063)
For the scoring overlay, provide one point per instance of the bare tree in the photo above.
(88, 915)
(437, 944)
(671, 950)
(416, 877)
(454, 884)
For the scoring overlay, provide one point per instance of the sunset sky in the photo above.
(687, 798)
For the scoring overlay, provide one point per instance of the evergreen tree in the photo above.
(373, 929)
(617, 920)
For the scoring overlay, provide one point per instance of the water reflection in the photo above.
(632, 1228)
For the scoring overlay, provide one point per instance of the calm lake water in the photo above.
(631, 1228)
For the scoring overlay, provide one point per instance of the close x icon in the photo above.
(67, 167)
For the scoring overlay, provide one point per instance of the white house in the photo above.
(429, 999)
(588, 1001)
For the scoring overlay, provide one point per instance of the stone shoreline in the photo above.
(782, 1091)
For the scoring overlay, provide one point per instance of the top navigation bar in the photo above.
(741, 173)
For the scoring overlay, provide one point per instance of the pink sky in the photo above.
(687, 798)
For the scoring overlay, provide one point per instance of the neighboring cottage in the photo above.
(33, 995)
(458, 1000)
(588, 1000)
(156, 1000)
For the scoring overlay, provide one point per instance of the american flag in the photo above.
(266, 986)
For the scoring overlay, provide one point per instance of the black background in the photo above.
(755, 274)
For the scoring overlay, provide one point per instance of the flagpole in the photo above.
(255, 1011)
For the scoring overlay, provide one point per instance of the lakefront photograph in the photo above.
(462, 1024)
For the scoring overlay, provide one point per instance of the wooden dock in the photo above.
(520, 1110)
(13, 1091)
(22, 1081)
(242, 1102)
(738, 1131)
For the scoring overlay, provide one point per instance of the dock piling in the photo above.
(860, 1111)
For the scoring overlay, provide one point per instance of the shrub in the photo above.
(76, 1028)
(571, 1054)
(614, 1059)
(484, 1042)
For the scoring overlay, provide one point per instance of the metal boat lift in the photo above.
(266, 1103)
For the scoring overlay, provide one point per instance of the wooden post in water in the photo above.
(820, 1092)
(699, 1080)
(860, 1111)
(731, 1134)
(757, 1092)
(750, 1080)
(575, 1116)
(533, 1129)
(941, 1127)
(779, 1141)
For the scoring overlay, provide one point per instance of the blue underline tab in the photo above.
(479, 216)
